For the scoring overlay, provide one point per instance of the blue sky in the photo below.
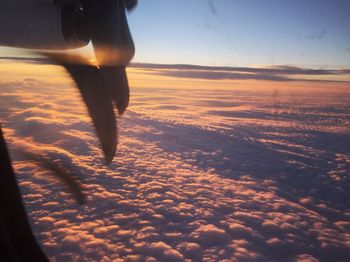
(309, 33)
(314, 33)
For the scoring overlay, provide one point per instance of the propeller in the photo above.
(111, 38)
(104, 86)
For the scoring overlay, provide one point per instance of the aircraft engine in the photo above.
(41, 25)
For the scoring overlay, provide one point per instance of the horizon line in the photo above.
(268, 72)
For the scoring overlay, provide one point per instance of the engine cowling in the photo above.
(41, 25)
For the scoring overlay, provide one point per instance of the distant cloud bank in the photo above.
(269, 73)
(272, 73)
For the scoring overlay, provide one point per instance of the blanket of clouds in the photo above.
(212, 174)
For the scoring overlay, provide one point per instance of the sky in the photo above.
(313, 33)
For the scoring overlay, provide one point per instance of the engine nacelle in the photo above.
(41, 25)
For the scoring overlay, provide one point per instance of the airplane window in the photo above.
(207, 130)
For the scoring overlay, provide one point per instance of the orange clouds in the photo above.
(206, 170)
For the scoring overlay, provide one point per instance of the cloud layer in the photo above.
(200, 174)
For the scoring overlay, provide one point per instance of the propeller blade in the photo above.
(103, 85)
(114, 79)
(99, 105)
(96, 96)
